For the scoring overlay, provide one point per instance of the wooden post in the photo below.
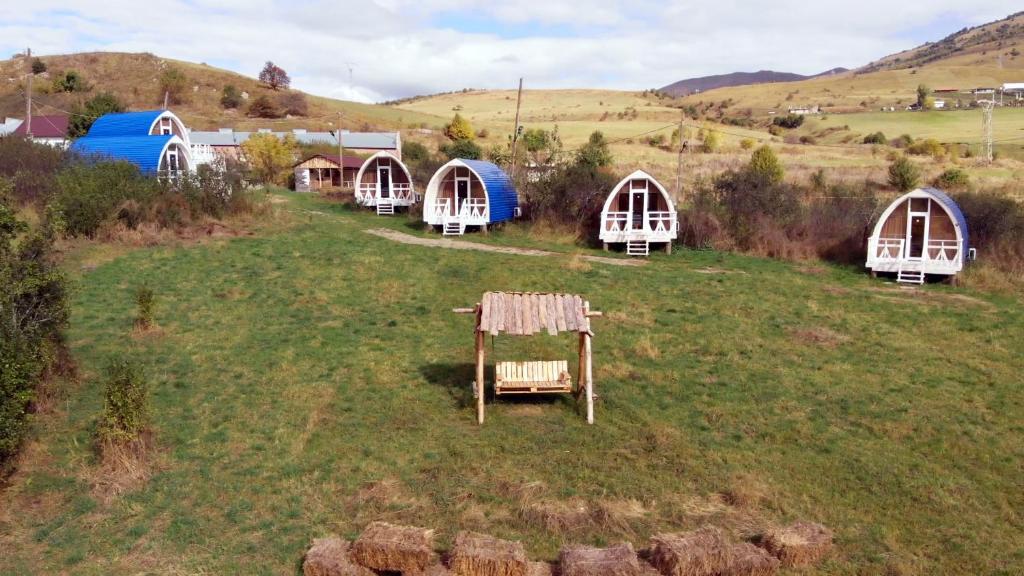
(515, 130)
(28, 95)
(479, 373)
(590, 367)
(582, 372)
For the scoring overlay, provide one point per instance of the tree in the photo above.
(70, 81)
(270, 157)
(82, 117)
(923, 93)
(274, 76)
(595, 153)
(464, 148)
(414, 151)
(263, 107)
(765, 166)
(458, 129)
(904, 175)
(712, 141)
(38, 66)
(294, 103)
(174, 84)
(788, 121)
(230, 98)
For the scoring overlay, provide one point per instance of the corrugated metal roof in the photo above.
(357, 140)
(213, 138)
(954, 209)
(502, 199)
(143, 151)
(124, 124)
(55, 126)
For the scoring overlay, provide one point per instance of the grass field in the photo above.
(311, 380)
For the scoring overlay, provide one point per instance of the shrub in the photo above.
(70, 81)
(263, 107)
(712, 142)
(904, 175)
(294, 103)
(765, 166)
(903, 141)
(789, 121)
(953, 179)
(458, 129)
(808, 139)
(747, 143)
(144, 301)
(876, 138)
(270, 157)
(173, 84)
(29, 169)
(125, 402)
(38, 66)
(929, 147)
(483, 133)
(414, 151)
(83, 116)
(465, 149)
(231, 97)
(595, 153)
(90, 194)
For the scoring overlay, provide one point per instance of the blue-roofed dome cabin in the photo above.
(921, 233)
(383, 182)
(639, 212)
(469, 193)
(156, 141)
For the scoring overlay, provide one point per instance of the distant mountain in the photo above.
(705, 83)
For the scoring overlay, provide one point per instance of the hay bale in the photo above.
(539, 569)
(330, 557)
(481, 555)
(436, 570)
(703, 552)
(799, 544)
(618, 560)
(384, 546)
(749, 560)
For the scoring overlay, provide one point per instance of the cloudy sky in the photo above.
(398, 48)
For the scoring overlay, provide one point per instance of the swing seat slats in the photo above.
(538, 377)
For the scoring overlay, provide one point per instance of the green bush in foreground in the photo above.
(904, 175)
(125, 402)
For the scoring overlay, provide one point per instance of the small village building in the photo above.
(384, 182)
(49, 130)
(325, 172)
(9, 125)
(639, 212)
(921, 233)
(465, 193)
(1013, 89)
(225, 143)
(155, 140)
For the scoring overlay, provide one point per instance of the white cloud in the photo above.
(405, 47)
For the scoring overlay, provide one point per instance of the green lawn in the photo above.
(312, 380)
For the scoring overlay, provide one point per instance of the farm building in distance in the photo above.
(50, 130)
(325, 171)
(226, 143)
(383, 182)
(9, 125)
(156, 141)
(466, 193)
(639, 212)
(922, 232)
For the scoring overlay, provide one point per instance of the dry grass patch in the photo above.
(124, 466)
(618, 560)
(577, 263)
(746, 491)
(819, 336)
(330, 557)
(481, 555)
(799, 544)
(384, 546)
(645, 348)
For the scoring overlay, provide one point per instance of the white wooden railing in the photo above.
(886, 249)
(891, 250)
(654, 223)
(945, 251)
(401, 193)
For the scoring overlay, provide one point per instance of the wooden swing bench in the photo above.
(542, 377)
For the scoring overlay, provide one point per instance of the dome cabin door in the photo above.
(917, 227)
(461, 192)
(638, 203)
(384, 178)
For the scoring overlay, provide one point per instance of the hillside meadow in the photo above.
(312, 378)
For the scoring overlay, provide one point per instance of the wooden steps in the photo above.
(453, 229)
(385, 208)
(638, 248)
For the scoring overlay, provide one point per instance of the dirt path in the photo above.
(465, 245)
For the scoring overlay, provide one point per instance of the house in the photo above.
(805, 110)
(1016, 89)
(156, 141)
(9, 125)
(384, 182)
(465, 193)
(226, 143)
(921, 233)
(637, 213)
(321, 171)
(939, 104)
(51, 130)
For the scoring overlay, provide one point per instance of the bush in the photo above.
(414, 151)
(712, 142)
(765, 166)
(458, 129)
(231, 97)
(929, 147)
(144, 302)
(747, 143)
(125, 403)
(789, 121)
(904, 175)
(263, 107)
(270, 158)
(70, 81)
(465, 149)
(995, 223)
(173, 84)
(83, 116)
(38, 66)
(294, 103)
(903, 141)
(595, 153)
(29, 169)
(876, 138)
(953, 179)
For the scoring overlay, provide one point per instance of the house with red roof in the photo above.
(52, 130)
(324, 171)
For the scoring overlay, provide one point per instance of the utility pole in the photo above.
(341, 153)
(515, 130)
(679, 162)
(28, 95)
(986, 128)
(166, 95)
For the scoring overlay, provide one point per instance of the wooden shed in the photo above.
(639, 212)
(383, 182)
(528, 314)
(326, 171)
(921, 233)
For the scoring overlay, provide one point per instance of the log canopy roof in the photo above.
(528, 313)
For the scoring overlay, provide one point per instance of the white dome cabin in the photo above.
(921, 233)
(383, 182)
(638, 213)
(465, 193)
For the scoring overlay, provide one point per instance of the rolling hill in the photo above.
(705, 83)
(134, 79)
